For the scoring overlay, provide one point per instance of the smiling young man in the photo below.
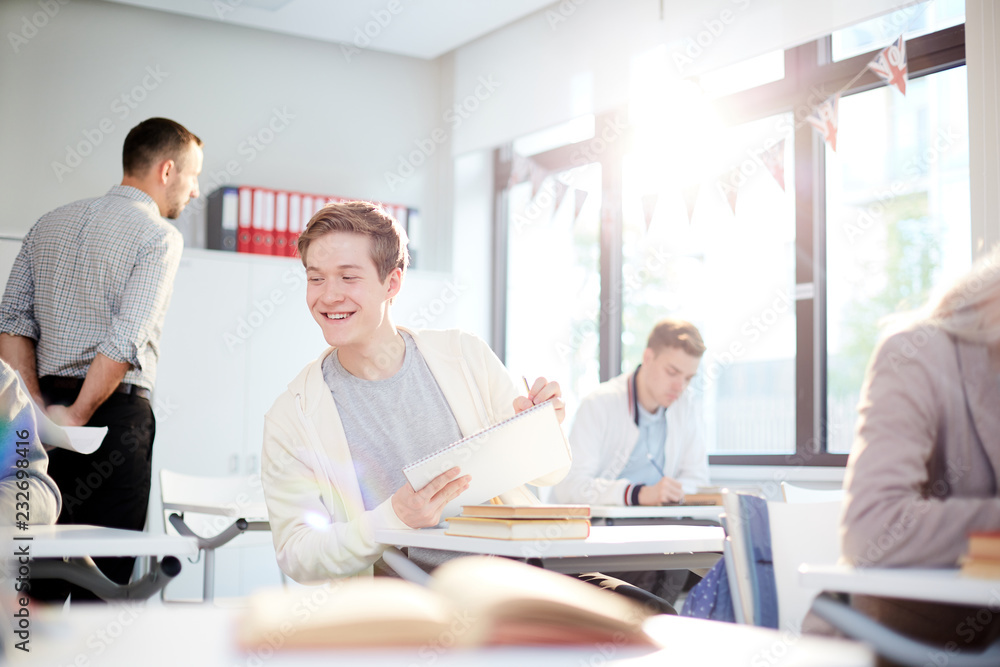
(379, 398)
(637, 439)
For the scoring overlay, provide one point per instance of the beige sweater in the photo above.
(318, 521)
(923, 470)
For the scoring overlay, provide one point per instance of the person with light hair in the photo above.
(380, 397)
(923, 471)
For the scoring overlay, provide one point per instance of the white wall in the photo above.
(982, 54)
(574, 58)
(348, 121)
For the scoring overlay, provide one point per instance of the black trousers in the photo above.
(107, 488)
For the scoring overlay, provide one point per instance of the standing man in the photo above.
(637, 439)
(81, 319)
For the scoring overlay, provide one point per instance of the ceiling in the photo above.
(420, 29)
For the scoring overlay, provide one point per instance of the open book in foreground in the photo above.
(476, 600)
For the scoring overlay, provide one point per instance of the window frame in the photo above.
(811, 76)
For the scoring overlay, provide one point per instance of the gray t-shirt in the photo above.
(421, 421)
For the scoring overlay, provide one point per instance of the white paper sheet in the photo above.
(80, 439)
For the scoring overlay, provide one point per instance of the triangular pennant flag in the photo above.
(824, 119)
(649, 207)
(561, 189)
(518, 170)
(537, 178)
(728, 187)
(690, 195)
(580, 196)
(774, 159)
(890, 64)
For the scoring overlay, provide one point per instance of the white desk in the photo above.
(95, 541)
(613, 512)
(48, 545)
(123, 636)
(609, 548)
(933, 585)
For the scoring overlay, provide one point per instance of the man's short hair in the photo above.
(676, 333)
(152, 141)
(388, 240)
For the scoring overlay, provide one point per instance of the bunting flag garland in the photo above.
(538, 176)
(580, 196)
(649, 207)
(824, 119)
(520, 169)
(774, 160)
(561, 189)
(890, 64)
(728, 187)
(690, 195)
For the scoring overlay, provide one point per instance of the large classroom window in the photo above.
(606, 224)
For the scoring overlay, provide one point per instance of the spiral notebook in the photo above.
(502, 457)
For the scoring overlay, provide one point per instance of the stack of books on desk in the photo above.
(983, 557)
(522, 522)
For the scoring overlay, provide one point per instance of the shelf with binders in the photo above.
(263, 221)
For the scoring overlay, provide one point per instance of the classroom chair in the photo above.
(781, 537)
(218, 507)
(800, 494)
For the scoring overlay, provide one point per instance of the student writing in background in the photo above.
(924, 470)
(637, 439)
(81, 319)
(381, 397)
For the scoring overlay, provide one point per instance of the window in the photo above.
(553, 280)
(786, 292)
(897, 226)
(912, 20)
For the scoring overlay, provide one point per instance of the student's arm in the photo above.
(313, 538)
(17, 320)
(103, 376)
(887, 519)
